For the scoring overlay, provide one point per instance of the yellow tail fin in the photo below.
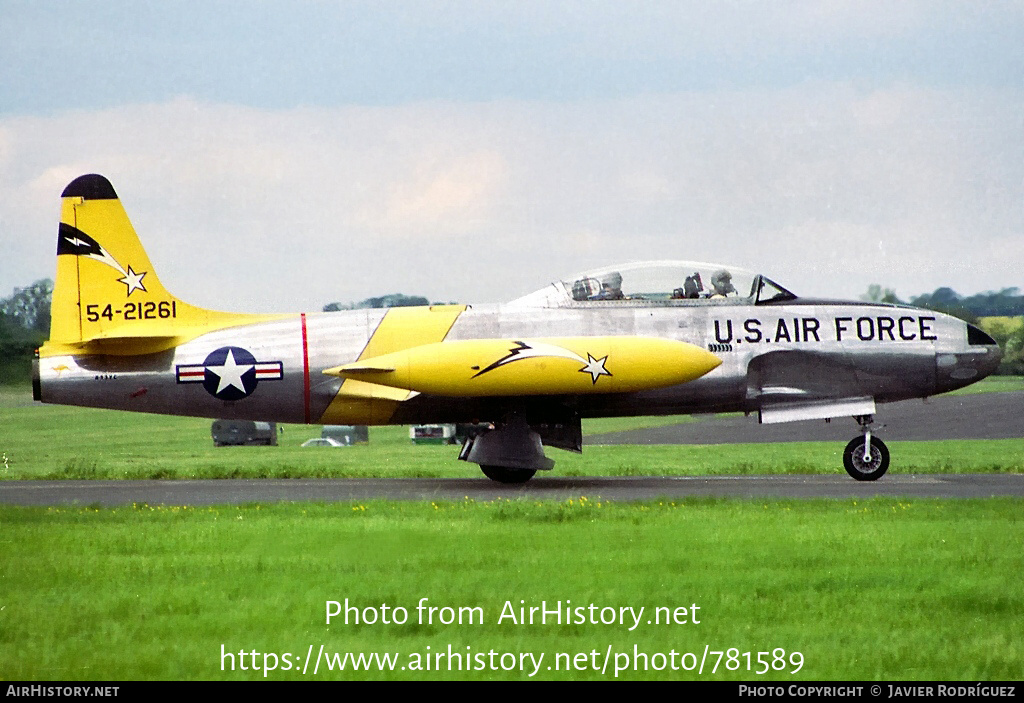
(106, 294)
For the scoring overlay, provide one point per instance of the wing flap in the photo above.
(774, 413)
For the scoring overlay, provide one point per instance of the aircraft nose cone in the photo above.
(989, 361)
(962, 368)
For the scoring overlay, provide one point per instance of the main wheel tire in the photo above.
(871, 470)
(502, 474)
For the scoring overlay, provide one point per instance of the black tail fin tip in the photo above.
(90, 187)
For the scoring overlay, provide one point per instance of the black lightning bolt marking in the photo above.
(512, 353)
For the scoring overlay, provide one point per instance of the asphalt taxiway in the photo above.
(621, 489)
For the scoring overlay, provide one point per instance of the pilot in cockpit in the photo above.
(721, 284)
(611, 287)
(585, 289)
(692, 288)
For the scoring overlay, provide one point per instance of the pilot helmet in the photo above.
(612, 280)
(721, 281)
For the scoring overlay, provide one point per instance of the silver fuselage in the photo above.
(802, 354)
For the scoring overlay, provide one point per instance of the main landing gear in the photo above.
(866, 458)
(513, 450)
(510, 453)
(502, 474)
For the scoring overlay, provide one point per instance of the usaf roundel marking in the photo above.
(230, 373)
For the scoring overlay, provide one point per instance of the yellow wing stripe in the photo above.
(404, 328)
(362, 403)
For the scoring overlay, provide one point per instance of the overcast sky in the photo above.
(277, 157)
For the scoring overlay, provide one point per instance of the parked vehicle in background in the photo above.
(432, 434)
(230, 433)
(323, 442)
(347, 434)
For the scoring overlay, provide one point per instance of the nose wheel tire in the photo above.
(502, 474)
(870, 469)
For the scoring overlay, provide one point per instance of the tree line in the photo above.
(391, 300)
(1007, 302)
(24, 326)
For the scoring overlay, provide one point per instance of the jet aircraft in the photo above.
(651, 338)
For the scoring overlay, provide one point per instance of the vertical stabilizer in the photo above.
(106, 291)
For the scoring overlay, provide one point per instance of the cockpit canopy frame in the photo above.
(658, 284)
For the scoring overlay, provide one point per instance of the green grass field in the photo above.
(828, 589)
(877, 589)
(993, 384)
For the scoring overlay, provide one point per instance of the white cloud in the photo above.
(825, 187)
(451, 192)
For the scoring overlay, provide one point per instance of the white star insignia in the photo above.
(595, 367)
(230, 373)
(133, 281)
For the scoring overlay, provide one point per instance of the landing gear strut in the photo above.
(866, 458)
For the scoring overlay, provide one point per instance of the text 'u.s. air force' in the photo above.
(874, 328)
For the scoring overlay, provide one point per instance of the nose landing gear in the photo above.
(866, 458)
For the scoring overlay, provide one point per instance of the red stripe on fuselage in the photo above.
(305, 367)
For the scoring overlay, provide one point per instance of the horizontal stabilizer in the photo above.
(124, 335)
(139, 342)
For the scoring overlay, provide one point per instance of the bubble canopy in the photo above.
(659, 283)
